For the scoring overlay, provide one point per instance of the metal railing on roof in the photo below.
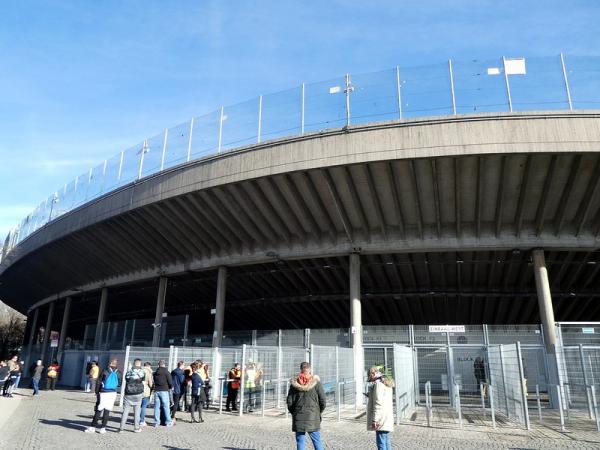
(449, 88)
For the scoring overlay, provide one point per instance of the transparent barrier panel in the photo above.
(131, 163)
(153, 151)
(96, 182)
(112, 172)
(374, 97)
(479, 86)
(541, 87)
(81, 189)
(325, 105)
(178, 144)
(205, 135)
(583, 73)
(425, 91)
(240, 125)
(281, 114)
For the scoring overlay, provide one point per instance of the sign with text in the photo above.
(54, 335)
(446, 328)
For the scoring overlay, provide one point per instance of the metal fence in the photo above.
(453, 87)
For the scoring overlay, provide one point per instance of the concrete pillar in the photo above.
(101, 318)
(544, 299)
(63, 327)
(356, 325)
(220, 307)
(32, 335)
(47, 331)
(160, 308)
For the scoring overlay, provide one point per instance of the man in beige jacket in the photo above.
(380, 407)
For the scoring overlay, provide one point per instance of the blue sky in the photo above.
(82, 80)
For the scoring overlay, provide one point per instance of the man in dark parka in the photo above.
(306, 402)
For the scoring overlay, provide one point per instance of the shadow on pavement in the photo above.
(65, 423)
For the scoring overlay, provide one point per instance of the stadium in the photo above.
(361, 211)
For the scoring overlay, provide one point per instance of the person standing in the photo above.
(13, 376)
(163, 383)
(250, 386)
(52, 374)
(36, 375)
(233, 386)
(178, 377)
(148, 385)
(197, 393)
(106, 394)
(479, 372)
(380, 407)
(134, 391)
(306, 402)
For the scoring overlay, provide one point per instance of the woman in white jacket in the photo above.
(380, 407)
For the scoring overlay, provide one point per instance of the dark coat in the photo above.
(162, 380)
(306, 403)
(178, 378)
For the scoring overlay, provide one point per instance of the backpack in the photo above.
(112, 381)
(134, 386)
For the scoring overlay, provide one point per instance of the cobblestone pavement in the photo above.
(56, 420)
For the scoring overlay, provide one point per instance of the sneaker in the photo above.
(170, 424)
(90, 430)
(137, 430)
(143, 424)
(156, 425)
(102, 430)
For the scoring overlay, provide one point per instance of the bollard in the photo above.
(539, 403)
(458, 407)
(492, 412)
(482, 398)
(560, 408)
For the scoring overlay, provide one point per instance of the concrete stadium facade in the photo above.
(469, 219)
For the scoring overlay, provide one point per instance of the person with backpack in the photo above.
(52, 374)
(134, 391)
(148, 385)
(163, 383)
(306, 402)
(106, 394)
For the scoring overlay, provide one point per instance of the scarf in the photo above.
(304, 378)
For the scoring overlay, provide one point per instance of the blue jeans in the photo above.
(17, 382)
(315, 437)
(145, 401)
(383, 440)
(162, 400)
(36, 386)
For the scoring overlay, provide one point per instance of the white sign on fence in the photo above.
(446, 328)
(586, 330)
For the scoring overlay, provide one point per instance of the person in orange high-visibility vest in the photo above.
(233, 385)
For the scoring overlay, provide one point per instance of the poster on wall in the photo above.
(54, 335)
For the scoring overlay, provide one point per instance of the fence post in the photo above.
(220, 130)
(539, 403)
(279, 374)
(564, 71)
(510, 108)
(452, 86)
(482, 397)
(125, 368)
(339, 402)
(399, 92)
(312, 357)
(263, 397)
(171, 355)
(585, 380)
(492, 412)
(504, 381)
(458, 406)
(523, 391)
(260, 102)
(593, 389)
(243, 381)
(560, 408)
(222, 386)
(189, 149)
(287, 389)
(347, 92)
(428, 403)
